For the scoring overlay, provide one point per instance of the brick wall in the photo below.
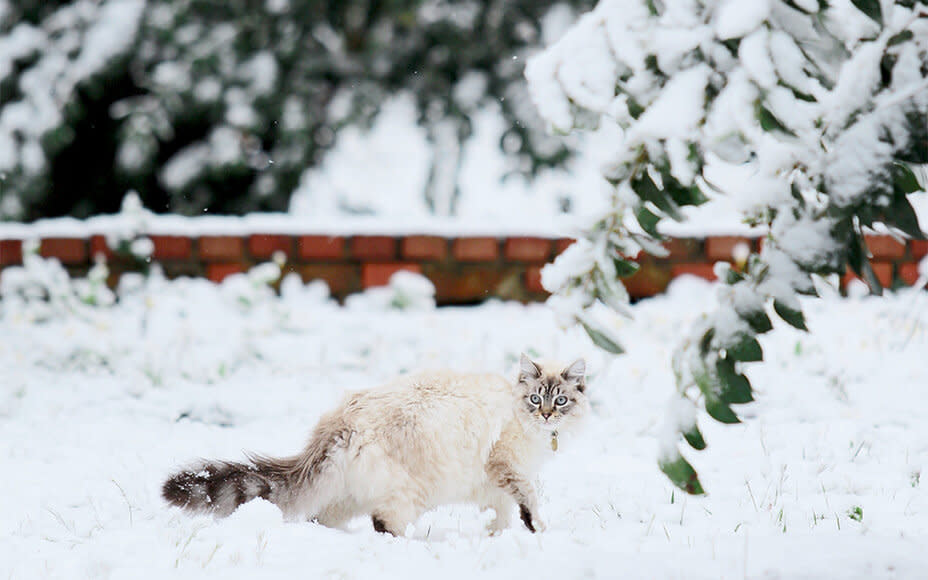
(464, 269)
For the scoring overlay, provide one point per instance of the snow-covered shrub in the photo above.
(294, 290)
(93, 290)
(254, 287)
(129, 240)
(808, 113)
(405, 291)
(41, 290)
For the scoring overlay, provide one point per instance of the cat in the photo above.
(399, 450)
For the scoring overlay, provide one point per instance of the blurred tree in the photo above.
(222, 104)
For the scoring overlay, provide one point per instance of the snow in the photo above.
(755, 56)
(673, 44)
(405, 291)
(859, 77)
(591, 82)
(736, 18)
(574, 261)
(111, 34)
(185, 166)
(102, 400)
(547, 93)
(395, 157)
(675, 113)
(790, 64)
(97, 409)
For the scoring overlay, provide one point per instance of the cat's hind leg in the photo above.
(393, 517)
(385, 488)
(338, 513)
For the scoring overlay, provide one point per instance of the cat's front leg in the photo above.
(530, 518)
(521, 490)
(502, 504)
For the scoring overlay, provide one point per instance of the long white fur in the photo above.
(422, 441)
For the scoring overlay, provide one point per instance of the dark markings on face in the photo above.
(550, 395)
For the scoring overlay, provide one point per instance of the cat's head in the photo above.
(551, 396)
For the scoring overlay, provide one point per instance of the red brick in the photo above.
(883, 271)
(342, 279)
(682, 248)
(908, 273)
(171, 247)
(528, 249)
(11, 252)
(218, 272)
(701, 270)
(468, 284)
(321, 247)
(68, 250)
(424, 248)
(919, 248)
(221, 248)
(885, 247)
(265, 245)
(475, 249)
(373, 247)
(99, 246)
(722, 247)
(533, 279)
(379, 274)
(649, 280)
(562, 244)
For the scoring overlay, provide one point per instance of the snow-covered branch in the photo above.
(817, 106)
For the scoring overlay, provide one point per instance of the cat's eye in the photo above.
(535, 399)
(560, 401)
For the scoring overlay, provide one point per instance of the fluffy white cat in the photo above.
(399, 450)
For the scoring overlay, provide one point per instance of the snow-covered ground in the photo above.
(97, 407)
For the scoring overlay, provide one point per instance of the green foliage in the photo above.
(748, 350)
(682, 474)
(856, 513)
(768, 121)
(601, 339)
(789, 315)
(694, 437)
(784, 99)
(871, 8)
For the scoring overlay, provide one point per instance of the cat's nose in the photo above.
(546, 414)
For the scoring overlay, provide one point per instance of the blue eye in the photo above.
(560, 401)
(535, 399)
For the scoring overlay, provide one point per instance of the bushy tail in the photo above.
(219, 487)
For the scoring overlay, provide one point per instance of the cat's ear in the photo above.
(528, 369)
(575, 373)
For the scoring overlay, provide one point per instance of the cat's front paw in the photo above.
(531, 520)
(497, 526)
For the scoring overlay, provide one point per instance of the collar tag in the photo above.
(554, 441)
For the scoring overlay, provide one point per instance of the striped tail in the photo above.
(219, 487)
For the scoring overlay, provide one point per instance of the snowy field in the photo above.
(97, 407)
